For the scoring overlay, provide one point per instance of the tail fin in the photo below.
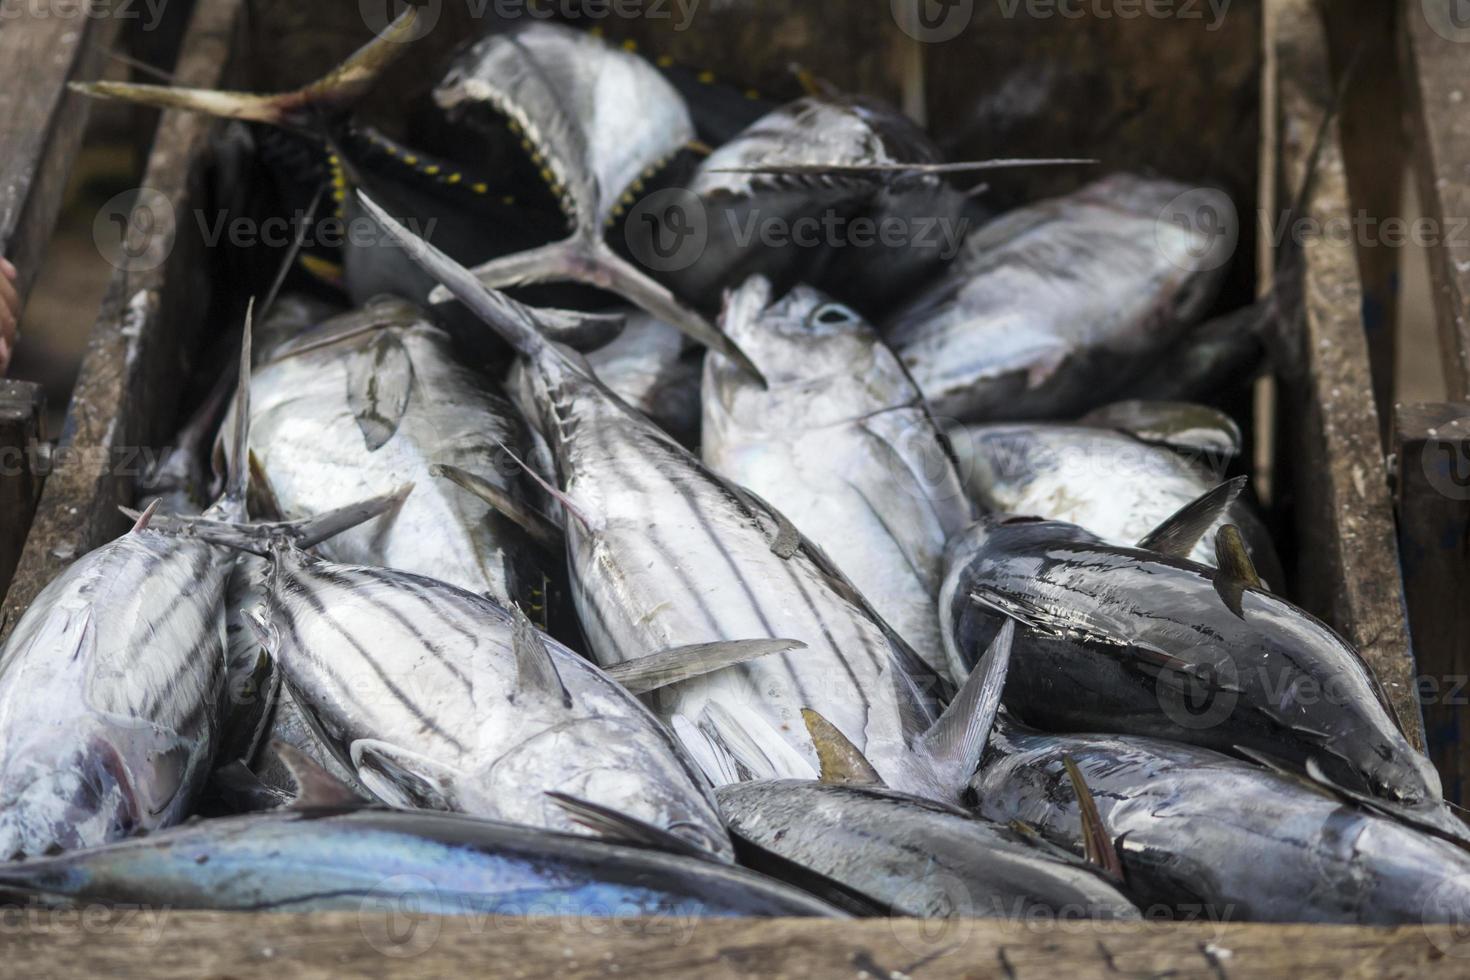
(258, 539)
(302, 110)
(592, 261)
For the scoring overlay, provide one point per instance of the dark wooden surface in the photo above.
(336, 945)
(22, 415)
(1331, 460)
(41, 123)
(1432, 447)
(125, 395)
(1435, 81)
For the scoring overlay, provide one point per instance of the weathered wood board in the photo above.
(22, 421)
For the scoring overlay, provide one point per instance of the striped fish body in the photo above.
(251, 678)
(752, 219)
(374, 400)
(110, 690)
(420, 689)
(596, 118)
(1196, 828)
(1116, 486)
(672, 555)
(1051, 308)
(371, 861)
(842, 443)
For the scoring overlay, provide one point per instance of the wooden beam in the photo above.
(1435, 50)
(41, 122)
(22, 415)
(1432, 448)
(1330, 453)
(164, 944)
(124, 391)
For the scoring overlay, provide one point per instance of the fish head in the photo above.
(997, 462)
(50, 804)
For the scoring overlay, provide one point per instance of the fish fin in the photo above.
(237, 463)
(1184, 426)
(567, 503)
(622, 828)
(709, 752)
(881, 171)
(316, 788)
(957, 739)
(773, 865)
(402, 778)
(1034, 837)
(788, 540)
(380, 383)
(259, 539)
(244, 791)
(842, 762)
(1097, 842)
(146, 517)
(759, 749)
(581, 331)
(536, 673)
(591, 261)
(656, 670)
(1182, 530)
(1045, 364)
(301, 110)
(538, 527)
(1235, 572)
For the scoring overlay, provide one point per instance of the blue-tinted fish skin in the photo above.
(315, 861)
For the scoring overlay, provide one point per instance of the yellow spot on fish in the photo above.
(453, 179)
(707, 77)
(664, 61)
(432, 170)
(596, 30)
(546, 175)
(411, 160)
(481, 188)
(321, 268)
(751, 93)
(508, 199)
(630, 45)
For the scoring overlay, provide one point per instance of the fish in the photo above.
(366, 860)
(375, 399)
(1201, 834)
(600, 121)
(841, 441)
(650, 366)
(1051, 308)
(1133, 641)
(924, 859)
(435, 697)
(1110, 481)
(822, 155)
(664, 553)
(112, 684)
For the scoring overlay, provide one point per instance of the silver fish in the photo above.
(1110, 482)
(664, 553)
(370, 401)
(921, 858)
(1201, 832)
(435, 697)
(599, 120)
(842, 442)
(1051, 307)
(384, 861)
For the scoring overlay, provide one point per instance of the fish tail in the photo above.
(329, 97)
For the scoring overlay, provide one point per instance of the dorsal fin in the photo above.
(957, 739)
(538, 527)
(1235, 570)
(841, 761)
(1182, 530)
(141, 524)
(315, 786)
(1096, 840)
(644, 674)
(535, 670)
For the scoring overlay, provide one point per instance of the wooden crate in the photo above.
(1239, 106)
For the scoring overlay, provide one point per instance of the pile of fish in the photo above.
(796, 581)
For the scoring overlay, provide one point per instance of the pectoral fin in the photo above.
(613, 825)
(1097, 842)
(403, 778)
(380, 381)
(658, 670)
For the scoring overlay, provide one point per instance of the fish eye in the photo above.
(831, 314)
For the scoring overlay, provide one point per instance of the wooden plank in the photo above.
(1363, 39)
(1432, 448)
(1434, 53)
(124, 391)
(22, 416)
(163, 944)
(1329, 451)
(41, 123)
